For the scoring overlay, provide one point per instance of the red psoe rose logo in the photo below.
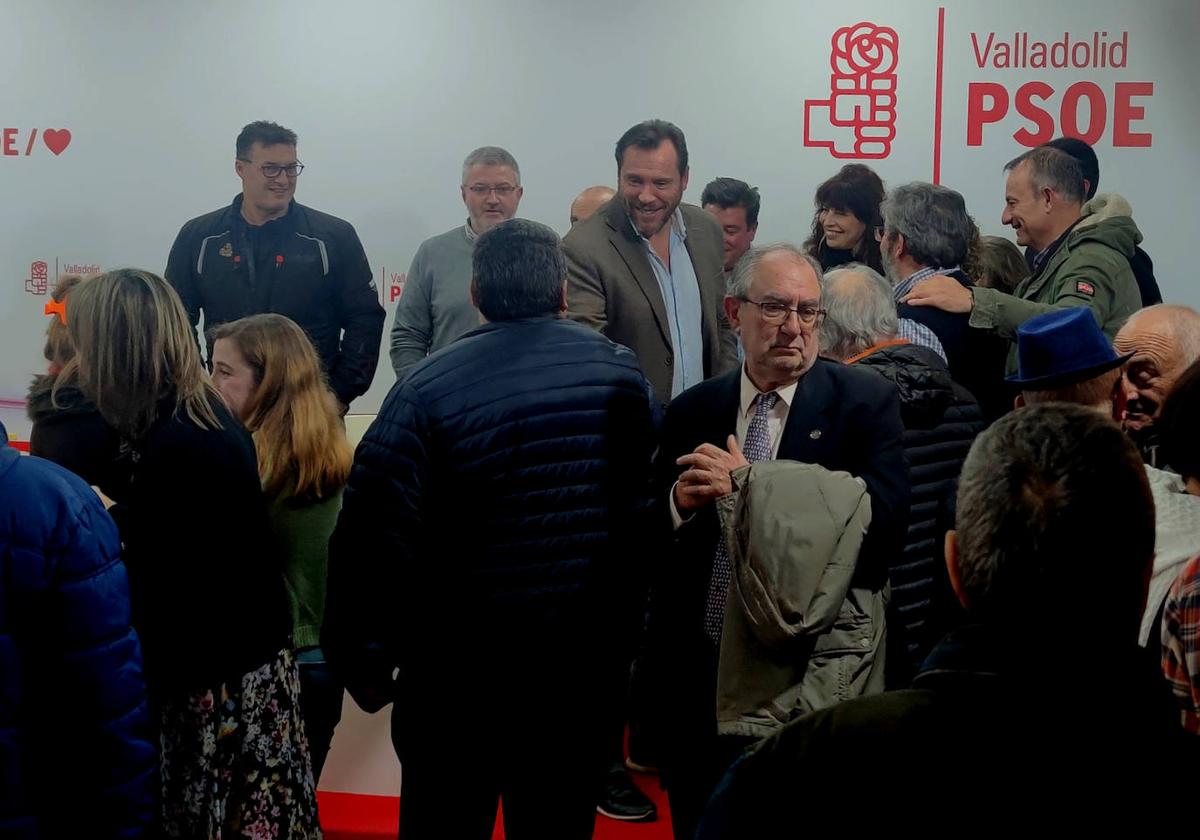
(39, 278)
(858, 120)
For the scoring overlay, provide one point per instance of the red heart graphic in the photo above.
(56, 140)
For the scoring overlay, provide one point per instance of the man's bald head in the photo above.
(1164, 340)
(588, 202)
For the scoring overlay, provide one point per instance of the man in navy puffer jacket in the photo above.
(489, 549)
(76, 751)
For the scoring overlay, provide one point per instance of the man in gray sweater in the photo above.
(436, 308)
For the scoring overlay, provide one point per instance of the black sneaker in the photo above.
(621, 799)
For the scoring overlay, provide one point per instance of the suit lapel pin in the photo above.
(815, 434)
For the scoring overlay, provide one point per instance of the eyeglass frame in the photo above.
(262, 167)
(818, 313)
(483, 190)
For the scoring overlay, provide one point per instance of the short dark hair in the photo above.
(266, 133)
(730, 192)
(517, 271)
(1086, 157)
(1178, 421)
(648, 135)
(1036, 490)
(1053, 168)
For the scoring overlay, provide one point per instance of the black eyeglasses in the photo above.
(503, 191)
(274, 170)
(774, 312)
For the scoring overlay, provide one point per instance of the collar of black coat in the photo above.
(285, 223)
(512, 323)
(922, 381)
(42, 401)
(985, 658)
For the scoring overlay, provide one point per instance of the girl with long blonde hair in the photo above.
(205, 576)
(270, 376)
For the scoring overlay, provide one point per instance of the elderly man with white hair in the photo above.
(941, 419)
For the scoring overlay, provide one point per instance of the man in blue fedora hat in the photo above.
(1063, 356)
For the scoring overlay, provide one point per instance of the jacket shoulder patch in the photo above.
(1085, 288)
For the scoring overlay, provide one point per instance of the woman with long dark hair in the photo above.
(847, 215)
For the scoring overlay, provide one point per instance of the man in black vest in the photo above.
(926, 232)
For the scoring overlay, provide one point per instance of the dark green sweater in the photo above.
(303, 534)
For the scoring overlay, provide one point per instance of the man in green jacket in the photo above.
(1082, 260)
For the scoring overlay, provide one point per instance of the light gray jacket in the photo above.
(797, 635)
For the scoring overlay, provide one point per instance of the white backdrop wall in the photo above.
(387, 98)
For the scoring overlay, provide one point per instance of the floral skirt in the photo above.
(235, 761)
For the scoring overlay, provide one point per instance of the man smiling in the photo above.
(436, 307)
(266, 253)
(646, 270)
(1079, 260)
(735, 205)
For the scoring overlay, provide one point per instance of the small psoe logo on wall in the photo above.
(858, 120)
(40, 275)
(39, 278)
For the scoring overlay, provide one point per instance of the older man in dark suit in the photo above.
(784, 403)
(646, 270)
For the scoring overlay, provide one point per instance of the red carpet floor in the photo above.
(348, 816)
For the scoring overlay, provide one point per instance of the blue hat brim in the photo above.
(1071, 377)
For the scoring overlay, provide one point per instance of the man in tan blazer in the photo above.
(646, 270)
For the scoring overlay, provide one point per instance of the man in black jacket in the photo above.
(1039, 707)
(266, 253)
(941, 419)
(488, 548)
(783, 403)
(927, 232)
